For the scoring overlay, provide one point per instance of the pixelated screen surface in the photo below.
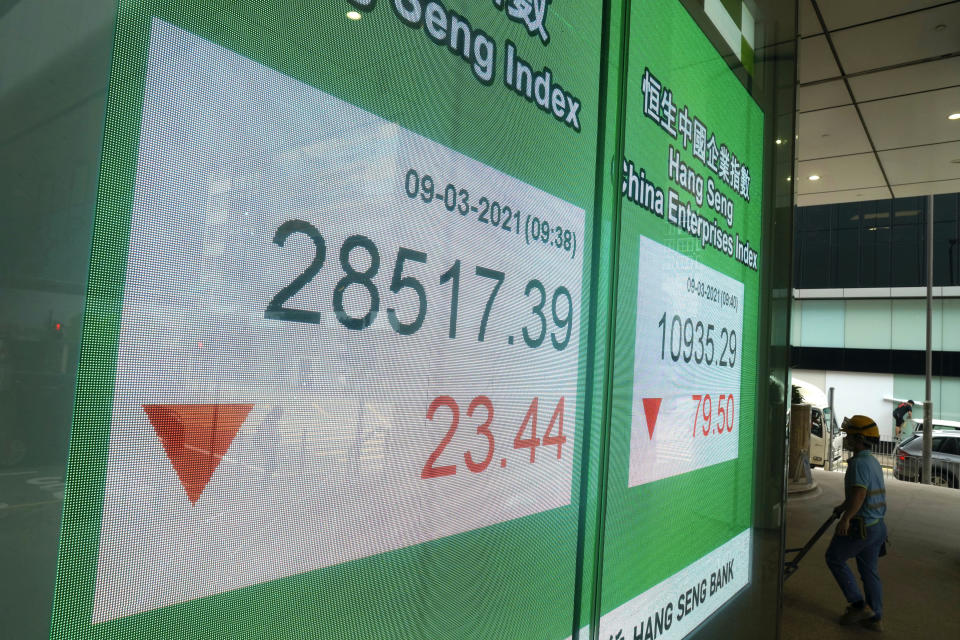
(333, 346)
(678, 539)
(336, 365)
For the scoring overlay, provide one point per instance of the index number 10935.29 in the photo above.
(692, 340)
(551, 312)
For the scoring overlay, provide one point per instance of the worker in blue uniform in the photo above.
(861, 532)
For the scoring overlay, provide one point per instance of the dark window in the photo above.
(875, 243)
(909, 222)
(950, 446)
(846, 249)
(881, 243)
(946, 234)
(816, 426)
(812, 246)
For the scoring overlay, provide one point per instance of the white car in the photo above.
(916, 426)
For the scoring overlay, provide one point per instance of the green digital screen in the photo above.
(677, 541)
(344, 360)
(333, 349)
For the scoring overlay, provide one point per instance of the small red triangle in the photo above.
(651, 407)
(195, 437)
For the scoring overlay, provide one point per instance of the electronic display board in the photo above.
(677, 541)
(333, 350)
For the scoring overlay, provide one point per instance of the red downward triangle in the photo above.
(651, 407)
(195, 437)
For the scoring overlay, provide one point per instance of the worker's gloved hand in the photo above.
(838, 510)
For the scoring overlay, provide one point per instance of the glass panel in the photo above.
(950, 446)
(813, 248)
(54, 60)
(828, 417)
(914, 388)
(949, 408)
(796, 322)
(950, 322)
(817, 418)
(909, 220)
(313, 359)
(846, 246)
(822, 323)
(908, 324)
(867, 324)
(946, 240)
(875, 243)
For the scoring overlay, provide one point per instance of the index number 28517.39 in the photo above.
(550, 312)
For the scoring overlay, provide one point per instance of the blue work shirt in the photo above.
(863, 470)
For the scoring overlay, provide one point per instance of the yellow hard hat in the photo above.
(861, 426)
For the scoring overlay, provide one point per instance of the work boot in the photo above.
(873, 624)
(853, 615)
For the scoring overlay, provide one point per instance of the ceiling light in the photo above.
(954, 116)
(814, 177)
(940, 27)
(788, 178)
(779, 141)
(354, 15)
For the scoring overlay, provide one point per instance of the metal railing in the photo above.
(909, 468)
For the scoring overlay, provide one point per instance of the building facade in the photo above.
(859, 315)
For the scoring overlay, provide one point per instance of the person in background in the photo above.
(861, 532)
(902, 413)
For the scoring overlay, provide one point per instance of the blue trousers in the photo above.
(866, 551)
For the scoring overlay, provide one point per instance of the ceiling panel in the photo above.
(913, 120)
(822, 95)
(851, 195)
(830, 132)
(904, 39)
(837, 174)
(922, 164)
(904, 108)
(809, 25)
(927, 188)
(917, 77)
(815, 61)
(843, 13)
